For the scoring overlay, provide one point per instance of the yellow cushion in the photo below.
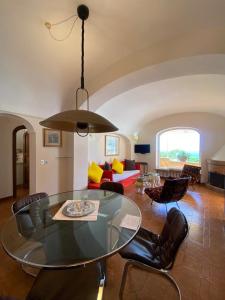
(117, 166)
(95, 173)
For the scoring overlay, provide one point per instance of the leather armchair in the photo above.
(81, 283)
(36, 215)
(154, 252)
(21, 203)
(28, 219)
(173, 190)
(193, 172)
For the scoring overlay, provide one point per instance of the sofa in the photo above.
(126, 178)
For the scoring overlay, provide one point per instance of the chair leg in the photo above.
(166, 208)
(123, 281)
(174, 282)
(152, 202)
(147, 268)
(178, 205)
(102, 282)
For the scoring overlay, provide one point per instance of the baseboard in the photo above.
(214, 188)
(6, 198)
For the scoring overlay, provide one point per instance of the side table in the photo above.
(144, 166)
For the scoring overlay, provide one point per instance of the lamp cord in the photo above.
(82, 69)
(82, 56)
(49, 27)
(64, 20)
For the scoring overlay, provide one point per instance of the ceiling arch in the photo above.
(133, 109)
(38, 76)
(20, 119)
(200, 64)
(196, 43)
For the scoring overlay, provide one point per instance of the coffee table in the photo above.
(148, 180)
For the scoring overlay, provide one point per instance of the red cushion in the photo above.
(93, 185)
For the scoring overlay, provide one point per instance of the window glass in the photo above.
(178, 147)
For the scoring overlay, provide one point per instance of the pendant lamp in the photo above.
(82, 122)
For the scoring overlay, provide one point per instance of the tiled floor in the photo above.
(199, 268)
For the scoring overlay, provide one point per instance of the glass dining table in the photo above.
(34, 237)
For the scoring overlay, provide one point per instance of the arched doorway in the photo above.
(10, 125)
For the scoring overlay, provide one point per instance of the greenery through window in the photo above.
(178, 147)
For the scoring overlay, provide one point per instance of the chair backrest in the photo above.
(193, 171)
(112, 187)
(21, 203)
(174, 232)
(37, 214)
(174, 189)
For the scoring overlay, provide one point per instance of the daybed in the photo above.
(126, 178)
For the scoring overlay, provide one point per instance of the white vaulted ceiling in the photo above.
(38, 76)
(132, 110)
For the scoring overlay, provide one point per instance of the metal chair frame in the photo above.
(162, 272)
(168, 202)
(33, 271)
(166, 205)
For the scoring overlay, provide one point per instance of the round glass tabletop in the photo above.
(41, 235)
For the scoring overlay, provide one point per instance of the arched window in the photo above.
(177, 147)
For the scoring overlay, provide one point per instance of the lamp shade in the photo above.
(81, 121)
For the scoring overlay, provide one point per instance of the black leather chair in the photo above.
(28, 219)
(173, 190)
(112, 187)
(21, 203)
(156, 253)
(117, 188)
(81, 283)
(36, 215)
(193, 172)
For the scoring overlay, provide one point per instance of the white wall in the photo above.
(96, 148)
(57, 174)
(53, 177)
(220, 155)
(210, 126)
(80, 163)
(19, 138)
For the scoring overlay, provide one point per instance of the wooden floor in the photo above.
(199, 268)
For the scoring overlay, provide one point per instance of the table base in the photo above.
(30, 270)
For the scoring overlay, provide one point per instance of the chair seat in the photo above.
(80, 283)
(156, 253)
(145, 248)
